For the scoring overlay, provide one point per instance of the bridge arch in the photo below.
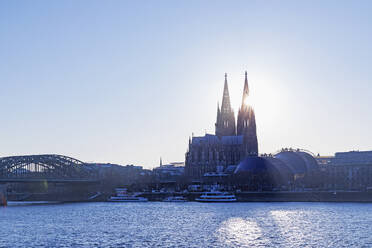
(44, 167)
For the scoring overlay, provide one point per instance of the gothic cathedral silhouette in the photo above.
(232, 141)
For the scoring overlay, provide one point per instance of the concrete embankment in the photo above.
(318, 196)
(3, 198)
(61, 197)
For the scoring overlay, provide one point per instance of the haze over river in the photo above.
(191, 224)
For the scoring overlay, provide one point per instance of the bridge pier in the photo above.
(3, 197)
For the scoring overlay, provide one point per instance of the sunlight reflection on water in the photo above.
(240, 232)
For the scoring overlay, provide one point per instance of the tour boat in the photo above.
(123, 196)
(175, 199)
(216, 196)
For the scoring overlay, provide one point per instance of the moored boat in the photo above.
(175, 199)
(216, 196)
(123, 196)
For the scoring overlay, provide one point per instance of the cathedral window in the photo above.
(245, 123)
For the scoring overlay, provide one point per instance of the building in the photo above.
(347, 170)
(289, 169)
(118, 175)
(232, 141)
(170, 171)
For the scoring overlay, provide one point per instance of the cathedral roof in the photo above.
(214, 139)
(207, 139)
(232, 140)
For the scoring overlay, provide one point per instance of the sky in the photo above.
(129, 82)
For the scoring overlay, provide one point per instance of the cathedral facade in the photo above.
(231, 143)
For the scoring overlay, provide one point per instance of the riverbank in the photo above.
(322, 196)
(318, 196)
(314, 196)
(3, 196)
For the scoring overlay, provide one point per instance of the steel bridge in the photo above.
(49, 167)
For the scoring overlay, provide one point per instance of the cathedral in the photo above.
(231, 143)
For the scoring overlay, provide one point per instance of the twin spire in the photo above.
(225, 124)
(226, 105)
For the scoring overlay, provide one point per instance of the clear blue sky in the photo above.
(129, 81)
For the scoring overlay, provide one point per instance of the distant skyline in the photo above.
(128, 82)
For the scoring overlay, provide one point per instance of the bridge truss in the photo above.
(48, 167)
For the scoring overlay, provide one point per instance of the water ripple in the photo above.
(156, 224)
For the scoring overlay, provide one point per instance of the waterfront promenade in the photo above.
(311, 196)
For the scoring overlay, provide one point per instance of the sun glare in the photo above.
(265, 96)
(246, 101)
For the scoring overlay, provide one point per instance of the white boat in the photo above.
(123, 196)
(216, 196)
(175, 199)
(127, 198)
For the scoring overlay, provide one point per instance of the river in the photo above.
(191, 224)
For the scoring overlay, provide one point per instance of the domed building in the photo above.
(284, 170)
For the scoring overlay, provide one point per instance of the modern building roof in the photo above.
(282, 166)
(265, 165)
(293, 160)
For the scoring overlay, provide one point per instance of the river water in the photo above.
(192, 224)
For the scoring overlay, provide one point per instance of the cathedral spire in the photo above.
(218, 113)
(246, 124)
(245, 92)
(225, 124)
(226, 106)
